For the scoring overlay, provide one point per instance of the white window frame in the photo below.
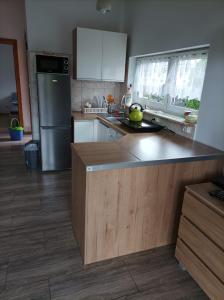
(165, 106)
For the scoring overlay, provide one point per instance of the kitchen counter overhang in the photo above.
(143, 149)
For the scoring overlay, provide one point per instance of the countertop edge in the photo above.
(133, 164)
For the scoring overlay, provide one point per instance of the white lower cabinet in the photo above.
(106, 133)
(83, 131)
(102, 132)
(93, 131)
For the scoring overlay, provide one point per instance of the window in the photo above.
(172, 82)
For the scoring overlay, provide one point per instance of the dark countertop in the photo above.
(141, 149)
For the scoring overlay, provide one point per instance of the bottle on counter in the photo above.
(126, 100)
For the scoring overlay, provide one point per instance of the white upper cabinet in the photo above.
(114, 56)
(99, 55)
(88, 54)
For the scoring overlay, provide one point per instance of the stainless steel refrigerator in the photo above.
(54, 101)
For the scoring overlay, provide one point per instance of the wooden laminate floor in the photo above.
(39, 257)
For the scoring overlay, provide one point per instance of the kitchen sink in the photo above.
(114, 120)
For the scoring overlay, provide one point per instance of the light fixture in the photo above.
(103, 6)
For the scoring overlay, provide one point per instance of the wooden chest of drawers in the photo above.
(200, 243)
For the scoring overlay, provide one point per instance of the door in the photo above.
(55, 148)
(114, 56)
(10, 89)
(89, 53)
(54, 99)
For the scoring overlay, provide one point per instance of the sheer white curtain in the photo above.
(150, 76)
(185, 77)
(167, 81)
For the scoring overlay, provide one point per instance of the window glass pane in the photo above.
(185, 83)
(173, 82)
(150, 78)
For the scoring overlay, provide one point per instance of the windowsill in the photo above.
(169, 117)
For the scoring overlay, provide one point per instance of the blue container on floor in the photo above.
(16, 135)
(15, 130)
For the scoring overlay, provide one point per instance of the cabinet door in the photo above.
(89, 54)
(102, 132)
(115, 134)
(105, 133)
(114, 56)
(83, 131)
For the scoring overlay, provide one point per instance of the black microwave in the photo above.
(52, 64)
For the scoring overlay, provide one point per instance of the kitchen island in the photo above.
(127, 194)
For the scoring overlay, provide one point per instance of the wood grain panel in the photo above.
(209, 253)
(201, 192)
(102, 153)
(207, 220)
(78, 200)
(135, 209)
(205, 278)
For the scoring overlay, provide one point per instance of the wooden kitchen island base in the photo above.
(122, 211)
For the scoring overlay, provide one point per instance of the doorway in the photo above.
(10, 90)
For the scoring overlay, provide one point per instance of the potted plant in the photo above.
(193, 104)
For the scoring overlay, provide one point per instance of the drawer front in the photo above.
(203, 247)
(212, 286)
(208, 221)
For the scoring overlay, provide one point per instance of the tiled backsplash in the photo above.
(84, 91)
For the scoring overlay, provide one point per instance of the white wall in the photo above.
(50, 22)
(162, 25)
(7, 77)
(210, 129)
